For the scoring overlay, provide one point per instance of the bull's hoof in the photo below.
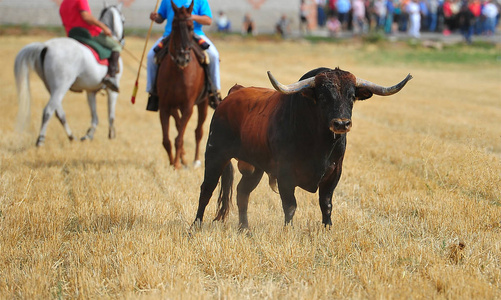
(245, 230)
(40, 141)
(197, 164)
(197, 224)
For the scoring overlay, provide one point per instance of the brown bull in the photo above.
(297, 135)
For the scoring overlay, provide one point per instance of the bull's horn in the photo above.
(381, 90)
(292, 88)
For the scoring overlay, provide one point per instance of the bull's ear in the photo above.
(362, 93)
(309, 93)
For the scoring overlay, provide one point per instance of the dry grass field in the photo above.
(417, 213)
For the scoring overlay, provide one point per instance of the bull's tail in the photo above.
(29, 58)
(225, 194)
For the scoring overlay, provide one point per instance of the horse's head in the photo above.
(181, 36)
(112, 16)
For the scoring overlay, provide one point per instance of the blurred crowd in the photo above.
(469, 17)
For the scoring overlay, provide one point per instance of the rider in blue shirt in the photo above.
(201, 15)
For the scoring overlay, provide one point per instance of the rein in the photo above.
(109, 21)
(181, 24)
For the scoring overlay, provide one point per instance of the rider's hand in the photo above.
(153, 16)
(107, 31)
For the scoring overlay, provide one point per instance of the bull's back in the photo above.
(247, 114)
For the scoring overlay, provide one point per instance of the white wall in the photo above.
(45, 12)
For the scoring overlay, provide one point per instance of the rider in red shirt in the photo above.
(77, 13)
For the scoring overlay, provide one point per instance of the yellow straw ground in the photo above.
(416, 214)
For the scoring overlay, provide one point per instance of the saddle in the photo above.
(83, 36)
(198, 44)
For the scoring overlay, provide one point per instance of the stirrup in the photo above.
(111, 83)
(206, 58)
(152, 103)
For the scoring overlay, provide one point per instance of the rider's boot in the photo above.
(214, 93)
(152, 101)
(153, 97)
(215, 98)
(110, 80)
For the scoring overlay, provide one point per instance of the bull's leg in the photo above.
(112, 100)
(247, 184)
(326, 191)
(286, 189)
(91, 99)
(202, 115)
(164, 120)
(214, 166)
(179, 142)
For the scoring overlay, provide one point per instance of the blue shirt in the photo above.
(343, 6)
(200, 8)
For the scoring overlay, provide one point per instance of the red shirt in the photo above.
(70, 15)
(475, 8)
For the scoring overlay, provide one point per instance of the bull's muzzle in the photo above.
(340, 125)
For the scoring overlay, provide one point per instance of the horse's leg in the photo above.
(55, 101)
(199, 132)
(186, 113)
(164, 120)
(61, 115)
(91, 99)
(112, 100)
(177, 121)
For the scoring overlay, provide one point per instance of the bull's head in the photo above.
(335, 91)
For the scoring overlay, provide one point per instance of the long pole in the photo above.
(134, 91)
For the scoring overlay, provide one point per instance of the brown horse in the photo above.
(180, 82)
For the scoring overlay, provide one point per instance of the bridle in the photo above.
(182, 52)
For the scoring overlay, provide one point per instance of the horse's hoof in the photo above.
(180, 166)
(197, 164)
(71, 138)
(40, 141)
(86, 137)
(112, 134)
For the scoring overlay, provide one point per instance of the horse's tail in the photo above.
(224, 200)
(29, 58)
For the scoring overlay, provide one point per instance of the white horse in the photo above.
(64, 64)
